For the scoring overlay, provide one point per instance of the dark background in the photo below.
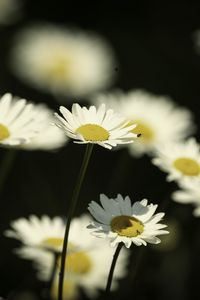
(153, 43)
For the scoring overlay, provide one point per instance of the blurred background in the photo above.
(153, 43)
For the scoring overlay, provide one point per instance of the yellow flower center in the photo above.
(69, 290)
(4, 132)
(187, 166)
(147, 134)
(93, 132)
(58, 68)
(77, 261)
(53, 243)
(127, 226)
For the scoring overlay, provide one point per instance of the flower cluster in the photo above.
(87, 258)
(90, 251)
(25, 126)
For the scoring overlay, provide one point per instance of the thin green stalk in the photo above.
(112, 268)
(72, 207)
(6, 165)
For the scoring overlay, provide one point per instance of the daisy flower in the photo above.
(87, 259)
(27, 126)
(189, 194)
(62, 61)
(120, 221)
(158, 118)
(96, 126)
(17, 121)
(9, 11)
(179, 160)
(42, 233)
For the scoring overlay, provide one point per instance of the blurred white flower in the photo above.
(9, 11)
(27, 126)
(120, 221)
(180, 160)
(189, 194)
(49, 137)
(158, 118)
(44, 232)
(95, 125)
(88, 260)
(62, 61)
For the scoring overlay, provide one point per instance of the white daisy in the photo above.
(158, 118)
(28, 126)
(37, 232)
(179, 160)
(120, 221)
(96, 126)
(189, 194)
(9, 11)
(18, 124)
(62, 61)
(87, 262)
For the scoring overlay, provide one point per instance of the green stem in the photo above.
(112, 268)
(6, 165)
(72, 207)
